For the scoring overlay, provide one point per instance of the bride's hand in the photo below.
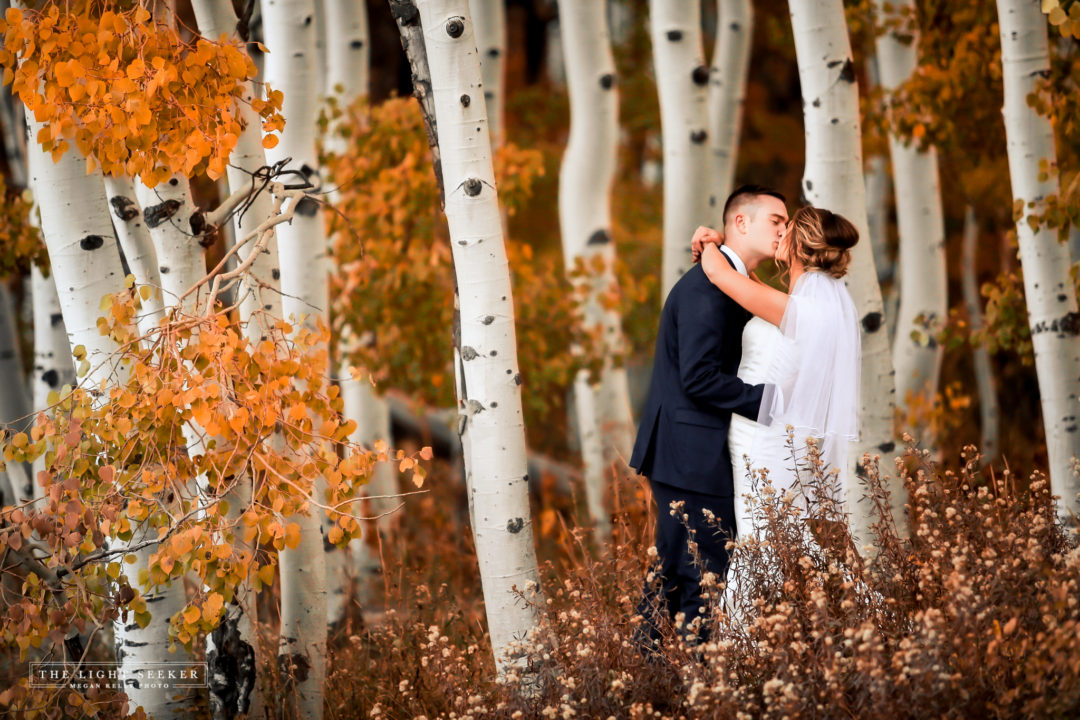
(713, 263)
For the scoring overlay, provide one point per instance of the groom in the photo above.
(681, 444)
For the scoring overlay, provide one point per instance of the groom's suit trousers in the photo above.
(677, 589)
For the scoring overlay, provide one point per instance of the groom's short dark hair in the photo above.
(746, 193)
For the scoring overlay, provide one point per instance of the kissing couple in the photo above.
(737, 362)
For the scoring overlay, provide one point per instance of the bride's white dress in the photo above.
(759, 340)
(810, 366)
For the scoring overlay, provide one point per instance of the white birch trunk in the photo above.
(876, 180)
(347, 48)
(1074, 244)
(137, 247)
(347, 78)
(833, 179)
(292, 67)
(588, 171)
(52, 355)
(489, 26)
(554, 63)
(921, 221)
(372, 416)
(989, 411)
(259, 296)
(15, 409)
(1051, 300)
(727, 91)
(86, 266)
(682, 80)
(491, 402)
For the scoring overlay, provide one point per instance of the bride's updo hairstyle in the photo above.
(820, 240)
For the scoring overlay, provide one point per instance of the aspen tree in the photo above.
(15, 406)
(490, 403)
(921, 220)
(989, 412)
(489, 24)
(833, 179)
(52, 355)
(292, 67)
(682, 80)
(726, 94)
(347, 79)
(604, 421)
(1048, 289)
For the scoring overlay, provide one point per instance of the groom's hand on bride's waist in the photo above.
(701, 236)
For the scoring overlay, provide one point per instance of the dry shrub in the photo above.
(974, 615)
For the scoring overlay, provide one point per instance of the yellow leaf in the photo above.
(292, 535)
(270, 141)
(191, 614)
(266, 574)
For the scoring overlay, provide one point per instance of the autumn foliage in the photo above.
(118, 478)
(124, 89)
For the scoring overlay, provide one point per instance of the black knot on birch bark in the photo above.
(51, 378)
(700, 75)
(404, 12)
(465, 100)
(56, 319)
(494, 52)
(488, 319)
(276, 274)
(230, 670)
(157, 214)
(307, 20)
(515, 525)
(294, 667)
(887, 447)
(198, 227)
(607, 81)
(871, 322)
(847, 73)
(473, 186)
(455, 27)
(356, 44)
(674, 35)
(307, 206)
(469, 353)
(698, 137)
(600, 237)
(1070, 324)
(123, 208)
(91, 242)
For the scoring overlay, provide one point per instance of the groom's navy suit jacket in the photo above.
(682, 439)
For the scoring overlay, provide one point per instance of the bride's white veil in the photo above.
(813, 380)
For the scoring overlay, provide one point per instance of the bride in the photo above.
(806, 348)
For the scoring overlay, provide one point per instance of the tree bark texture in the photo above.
(921, 219)
(86, 266)
(491, 400)
(682, 80)
(52, 355)
(489, 26)
(833, 179)
(1051, 301)
(292, 67)
(989, 411)
(727, 91)
(604, 420)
